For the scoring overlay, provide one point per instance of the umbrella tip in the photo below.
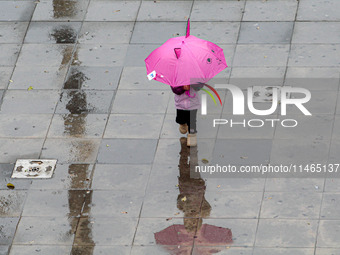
(188, 29)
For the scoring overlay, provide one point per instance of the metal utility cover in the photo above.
(34, 168)
(263, 94)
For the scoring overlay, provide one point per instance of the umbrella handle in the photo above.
(188, 29)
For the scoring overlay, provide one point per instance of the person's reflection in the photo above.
(179, 239)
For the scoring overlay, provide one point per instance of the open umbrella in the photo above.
(185, 60)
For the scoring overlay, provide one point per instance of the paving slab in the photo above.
(12, 202)
(101, 250)
(16, 11)
(296, 185)
(266, 32)
(283, 251)
(60, 10)
(315, 10)
(258, 10)
(164, 11)
(316, 32)
(328, 234)
(105, 231)
(12, 32)
(5, 178)
(105, 32)
(9, 53)
(37, 249)
(106, 10)
(77, 125)
(5, 75)
(217, 10)
(8, 228)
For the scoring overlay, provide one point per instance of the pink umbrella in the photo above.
(185, 60)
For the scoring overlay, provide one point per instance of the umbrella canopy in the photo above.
(185, 60)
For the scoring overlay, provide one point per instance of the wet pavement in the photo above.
(73, 87)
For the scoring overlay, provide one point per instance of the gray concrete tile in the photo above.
(258, 10)
(318, 127)
(5, 75)
(286, 205)
(54, 203)
(229, 53)
(12, 202)
(235, 184)
(84, 101)
(137, 53)
(99, 55)
(77, 125)
(140, 101)
(234, 204)
(330, 207)
(134, 126)
(47, 55)
(38, 77)
(157, 32)
(286, 233)
(12, 32)
(34, 101)
(328, 234)
(16, 11)
(40, 249)
(134, 78)
(338, 105)
(164, 11)
(9, 54)
(242, 151)
(325, 251)
(296, 185)
(60, 10)
(318, 10)
(121, 178)
(299, 151)
(217, 10)
(108, 203)
(4, 249)
(261, 55)
(87, 78)
(321, 102)
(168, 151)
(313, 78)
(147, 228)
(7, 231)
(167, 205)
(332, 185)
(229, 250)
(243, 230)
(1, 94)
(52, 32)
(101, 250)
(233, 131)
(106, 10)
(266, 32)
(158, 250)
(71, 150)
(24, 125)
(13, 149)
(45, 230)
(283, 251)
(66, 177)
(105, 231)
(244, 77)
(316, 32)
(204, 127)
(322, 55)
(216, 32)
(5, 177)
(106, 32)
(142, 151)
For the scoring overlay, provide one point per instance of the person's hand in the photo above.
(186, 87)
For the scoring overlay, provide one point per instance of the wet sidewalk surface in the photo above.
(73, 87)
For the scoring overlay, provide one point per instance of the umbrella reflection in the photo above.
(179, 239)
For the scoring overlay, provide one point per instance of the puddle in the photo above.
(75, 79)
(64, 8)
(77, 102)
(64, 34)
(195, 207)
(75, 125)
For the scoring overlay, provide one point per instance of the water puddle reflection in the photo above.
(180, 239)
(64, 8)
(64, 34)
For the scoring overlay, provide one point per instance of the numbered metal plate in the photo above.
(34, 168)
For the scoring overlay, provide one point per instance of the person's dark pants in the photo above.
(188, 117)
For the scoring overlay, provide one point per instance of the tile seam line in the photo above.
(1, 100)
